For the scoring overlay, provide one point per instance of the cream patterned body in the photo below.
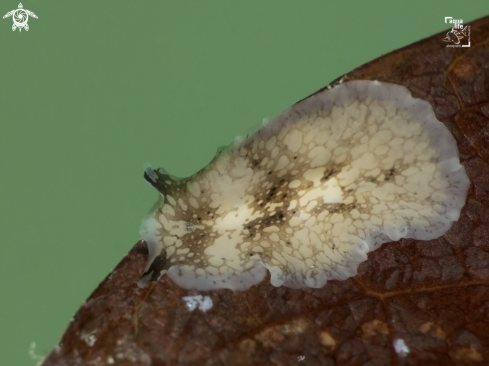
(309, 194)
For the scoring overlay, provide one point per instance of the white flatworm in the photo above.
(309, 194)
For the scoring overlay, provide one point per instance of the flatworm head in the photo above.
(309, 193)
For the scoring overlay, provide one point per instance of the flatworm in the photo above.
(309, 193)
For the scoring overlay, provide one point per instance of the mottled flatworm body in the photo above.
(309, 194)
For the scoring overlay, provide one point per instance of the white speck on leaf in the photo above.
(204, 303)
(89, 339)
(401, 348)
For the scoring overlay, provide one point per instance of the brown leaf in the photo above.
(412, 303)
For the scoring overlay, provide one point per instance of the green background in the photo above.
(96, 89)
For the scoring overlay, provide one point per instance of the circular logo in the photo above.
(20, 17)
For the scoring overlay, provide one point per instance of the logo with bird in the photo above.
(455, 35)
(20, 17)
